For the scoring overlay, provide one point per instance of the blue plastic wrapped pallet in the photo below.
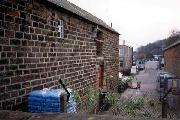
(48, 100)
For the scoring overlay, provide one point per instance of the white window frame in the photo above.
(61, 29)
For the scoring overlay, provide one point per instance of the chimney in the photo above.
(111, 24)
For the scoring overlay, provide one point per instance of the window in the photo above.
(99, 35)
(121, 52)
(61, 29)
(121, 63)
(99, 43)
(99, 48)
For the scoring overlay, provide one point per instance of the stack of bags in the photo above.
(48, 100)
(71, 107)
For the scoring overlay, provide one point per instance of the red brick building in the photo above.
(42, 41)
(172, 59)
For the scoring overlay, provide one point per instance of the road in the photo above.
(147, 78)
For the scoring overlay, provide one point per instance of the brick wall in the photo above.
(111, 60)
(172, 60)
(34, 57)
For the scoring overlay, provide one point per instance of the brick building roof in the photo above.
(82, 13)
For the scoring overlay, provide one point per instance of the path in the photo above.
(148, 81)
(152, 106)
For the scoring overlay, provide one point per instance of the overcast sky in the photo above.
(138, 21)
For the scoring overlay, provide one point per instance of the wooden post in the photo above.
(63, 103)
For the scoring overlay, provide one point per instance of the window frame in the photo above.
(60, 28)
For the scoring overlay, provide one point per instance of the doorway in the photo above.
(100, 76)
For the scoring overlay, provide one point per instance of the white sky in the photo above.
(138, 21)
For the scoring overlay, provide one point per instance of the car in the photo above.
(140, 65)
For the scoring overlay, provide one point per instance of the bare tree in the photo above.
(174, 37)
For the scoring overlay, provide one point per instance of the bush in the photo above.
(90, 101)
(95, 100)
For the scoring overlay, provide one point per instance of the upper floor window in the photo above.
(121, 52)
(99, 35)
(61, 29)
(99, 43)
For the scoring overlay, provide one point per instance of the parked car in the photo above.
(140, 65)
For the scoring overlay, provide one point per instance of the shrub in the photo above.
(132, 106)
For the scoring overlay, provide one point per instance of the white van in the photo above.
(162, 62)
(140, 65)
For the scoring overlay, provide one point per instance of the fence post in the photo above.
(164, 99)
(63, 103)
(164, 108)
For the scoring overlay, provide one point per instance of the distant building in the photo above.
(157, 57)
(172, 58)
(134, 57)
(126, 58)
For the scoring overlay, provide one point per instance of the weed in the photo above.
(133, 106)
